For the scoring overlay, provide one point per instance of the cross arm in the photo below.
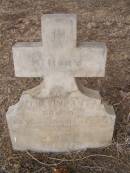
(90, 60)
(27, 59)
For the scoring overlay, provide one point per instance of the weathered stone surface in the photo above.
(58, 51)
(56, 116)
(42, 121)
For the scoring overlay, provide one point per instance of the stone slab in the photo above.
(66, 121)
(55, 116)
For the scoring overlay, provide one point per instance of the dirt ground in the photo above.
(99, 20)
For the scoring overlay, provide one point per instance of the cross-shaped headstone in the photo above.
(56, 116)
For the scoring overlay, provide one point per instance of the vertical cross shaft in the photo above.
(59, 31)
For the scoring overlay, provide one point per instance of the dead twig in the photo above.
(96, 167)
(83, 158)
(39, 170)
(42, 163)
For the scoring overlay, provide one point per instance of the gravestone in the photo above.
(56, 116)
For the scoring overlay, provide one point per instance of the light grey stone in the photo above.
(58, 52)
(55, 116)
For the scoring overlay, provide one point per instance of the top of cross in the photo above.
(58, 52)
(59, 31)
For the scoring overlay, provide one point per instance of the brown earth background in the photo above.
(98, 20)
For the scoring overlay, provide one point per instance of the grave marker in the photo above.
(56, 116)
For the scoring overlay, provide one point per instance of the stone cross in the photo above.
(56, 116)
